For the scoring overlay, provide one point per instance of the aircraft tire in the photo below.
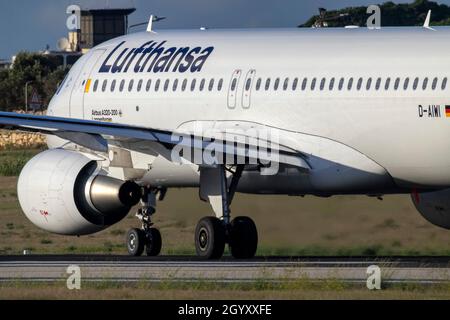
(210, 238)
(243, 239)
(154, 242)
(135, 242)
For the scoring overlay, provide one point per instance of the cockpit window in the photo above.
(62, 84)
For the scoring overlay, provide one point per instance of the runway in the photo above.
(31, 268)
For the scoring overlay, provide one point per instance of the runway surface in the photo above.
(274, 269)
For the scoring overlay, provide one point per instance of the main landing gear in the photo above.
(213, 233)
(147, 238)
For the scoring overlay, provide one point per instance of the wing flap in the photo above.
(97, 135)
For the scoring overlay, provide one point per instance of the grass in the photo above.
(287, 226)
(301, 289)
(13, 160)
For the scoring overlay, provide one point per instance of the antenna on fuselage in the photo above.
(150, 24)
(426, 25)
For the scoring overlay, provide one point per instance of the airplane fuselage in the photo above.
(368, 107)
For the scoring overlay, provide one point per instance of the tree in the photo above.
(42, 71)
(410, 14)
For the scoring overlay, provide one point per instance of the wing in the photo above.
(97, 136)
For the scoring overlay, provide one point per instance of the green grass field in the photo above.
(287, 226)
(213, 291)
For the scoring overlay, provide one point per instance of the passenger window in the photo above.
(233, 85)
(211, 85)
(295, 84)
(130, 85)
(304, 84)
(286, 84)
(258, 84)
(277, 84)
(175, 85)
(406, 84)
(157, 85)
(359, 85)
(313, 84)
(113, 85)
(194, 82)
(425, 84)
(444, 84)
(149, 84)
(415, 83)
(184, 85)
(105, 83)
(248, 84)
(139, 86)
(322, 84)
(166, 85)
(331, 86)
(378, 84)
(122, 85)
(267, 84)
(202, 84)
(350, 84)
(396, 83)
(220, 85)
(95, 85)
(387, 84)
(369, 84)
(341, 84)
(434, 84)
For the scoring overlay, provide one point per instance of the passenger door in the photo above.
(247, 90)
(233, 89)
(83, 83)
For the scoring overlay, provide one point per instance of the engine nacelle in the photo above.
(434, 207)
(62, 192)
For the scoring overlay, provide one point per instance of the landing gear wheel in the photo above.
(154, 242)
(135, 242)
(243, 238)
(210, 238)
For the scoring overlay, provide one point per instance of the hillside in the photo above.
(392, 14)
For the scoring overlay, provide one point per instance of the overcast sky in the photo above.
(31, 25)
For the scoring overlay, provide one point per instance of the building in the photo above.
(5, 64)
(100, 24)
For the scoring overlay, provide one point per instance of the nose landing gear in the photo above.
(148, 237)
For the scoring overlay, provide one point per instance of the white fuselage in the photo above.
(363, 135)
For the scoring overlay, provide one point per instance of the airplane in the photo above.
(297, 112)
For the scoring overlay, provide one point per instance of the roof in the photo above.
(127, 6)
(110, 11)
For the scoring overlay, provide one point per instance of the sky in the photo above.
(32, 25)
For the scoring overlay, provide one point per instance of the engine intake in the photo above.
(64, 192)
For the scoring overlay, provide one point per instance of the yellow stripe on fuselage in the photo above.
(88, 86)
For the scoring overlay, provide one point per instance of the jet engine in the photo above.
(434, 207)
(64, 192)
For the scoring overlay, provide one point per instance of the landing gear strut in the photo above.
(148, 237)
(212, 233)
